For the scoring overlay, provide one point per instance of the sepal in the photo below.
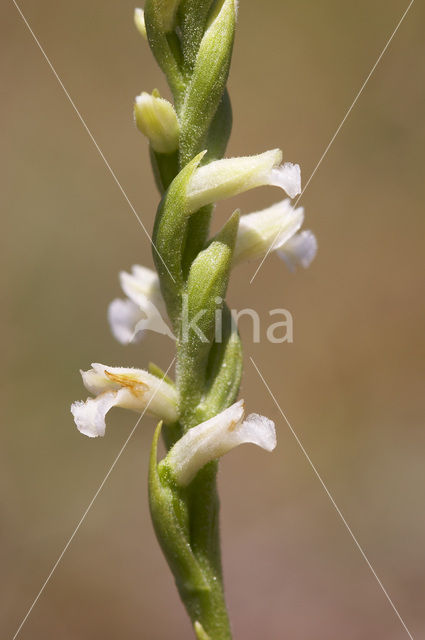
(231, 176)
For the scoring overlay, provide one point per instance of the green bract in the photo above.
(208, 80)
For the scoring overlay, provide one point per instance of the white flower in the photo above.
(134, 389)
(299, 250)
(269, 229)
(229, 177)
(157, 119)
(215, 437)
(143, 310)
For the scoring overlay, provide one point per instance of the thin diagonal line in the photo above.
(332, 500)
(332, 140)
(89, 507)
(111, 171)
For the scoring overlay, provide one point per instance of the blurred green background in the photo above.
(351, 384)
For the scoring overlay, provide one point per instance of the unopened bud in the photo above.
(157, 119)
(139, 21)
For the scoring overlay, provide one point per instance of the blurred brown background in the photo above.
(351, 384)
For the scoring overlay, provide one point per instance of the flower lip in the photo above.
(89, 416)
(301, 250)
(288, 178)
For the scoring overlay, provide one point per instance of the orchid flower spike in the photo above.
(134, 389)
(301, 250)
(226, 178)
(215, 437)
(143, 310)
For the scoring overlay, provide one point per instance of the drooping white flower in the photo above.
(143, 310)
(134, 389)
(215, 437)
(301, 250)
(228, 177)
(157, 120)
(266, 230)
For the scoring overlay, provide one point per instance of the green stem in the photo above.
(208, 606)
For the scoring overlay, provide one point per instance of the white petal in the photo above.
(129, 321)
(152, 320)
(229, 177)
(288, 177)
(266, 230)
(89, 416)
(144, 310)
(145, 276)
(299, 250)
(141, 285)
(215, 437)
(123, 317)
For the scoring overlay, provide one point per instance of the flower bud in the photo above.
(226, 178)
(134, 389)
(299, 250)
(157, 119)
(266, 230)
(139, 21)
(215, 437)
